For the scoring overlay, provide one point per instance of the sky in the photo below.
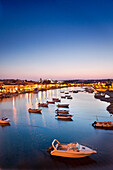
(56, 39)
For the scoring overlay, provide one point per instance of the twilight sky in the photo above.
(57, 39)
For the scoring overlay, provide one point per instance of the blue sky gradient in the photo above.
(58, 39)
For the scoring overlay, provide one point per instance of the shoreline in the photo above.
(101, 95)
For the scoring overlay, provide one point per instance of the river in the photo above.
(23, 144)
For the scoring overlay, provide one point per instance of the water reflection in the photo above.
(44, 120)
(64, 119)
(14, 111)
(5, 125)
(73, 163)
(103, 128)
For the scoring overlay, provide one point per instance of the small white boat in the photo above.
(62, 111)
(43, 104)
(64, 116)
(34, 110)
(63, 105)
(4, 120)
(104, 124)
(71, 150)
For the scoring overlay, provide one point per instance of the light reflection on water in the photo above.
(23, 144)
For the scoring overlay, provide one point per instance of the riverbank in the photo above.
(102, 96)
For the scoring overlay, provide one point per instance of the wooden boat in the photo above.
(34, 110)
(64, 116)
(56, 99)
(71, 150)
(63, 105)
(104, 124)
(4, 120)
(43, 104)
(51, 102)
(62, 111)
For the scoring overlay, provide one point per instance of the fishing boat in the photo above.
(63, 105)
(63, 116)
(56, 99)
(51, 102)
(62, 111)
(71, 150)
(104, 124)
(34, 110)
(4, 120)
(43, 104)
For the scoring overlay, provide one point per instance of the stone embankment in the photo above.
(102, 97)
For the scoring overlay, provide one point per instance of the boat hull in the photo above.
(64, 117)
(62, 111)
(51, 102)
(43, 105)
(70, 154)
(34, 110)
(102, 124)
(4, 122)
(63, 105)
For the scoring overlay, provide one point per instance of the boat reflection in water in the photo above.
(4, 125)
(68, 163)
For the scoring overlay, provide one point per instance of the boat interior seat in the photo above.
(62, 147)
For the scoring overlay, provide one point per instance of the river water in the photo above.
(23, 144)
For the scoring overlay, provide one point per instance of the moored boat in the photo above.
(104, 124)
(51, 102)
(5, 120)
(62, 111)
(71, 150)
(69, 97)
(63, 97)
(61, 91)
(63, 116)
(34, 110)
(66, 92)
(63, 105)
(56, 99)
(75, 91)
(43, 104)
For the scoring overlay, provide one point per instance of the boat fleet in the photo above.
(60, 114)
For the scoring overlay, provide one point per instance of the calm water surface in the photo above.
(23, 144)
